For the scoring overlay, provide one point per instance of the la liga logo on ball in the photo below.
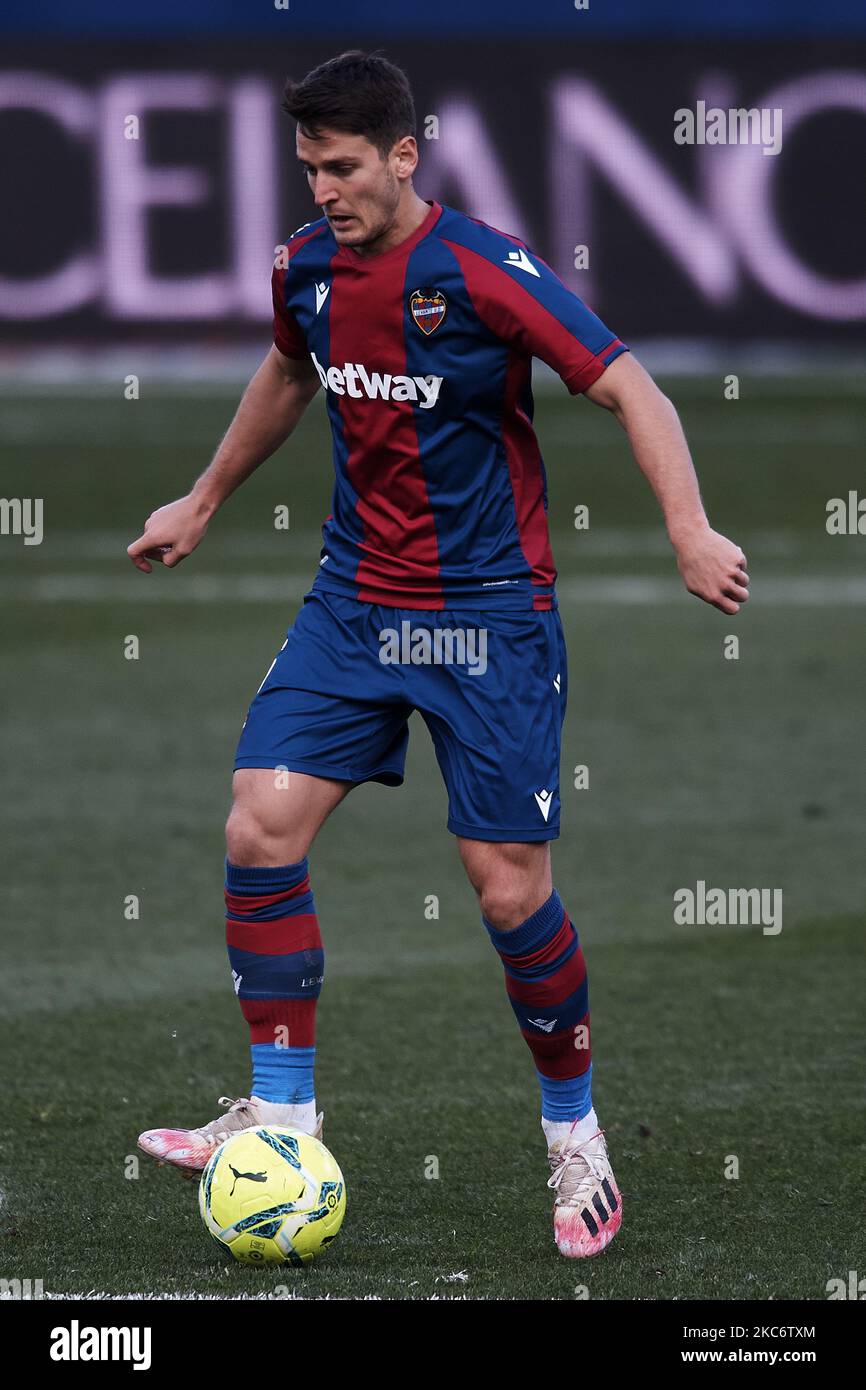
(427, 307)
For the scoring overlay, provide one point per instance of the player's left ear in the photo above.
(404, 157)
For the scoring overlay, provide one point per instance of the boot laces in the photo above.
(222, 1127)
(576, 1171)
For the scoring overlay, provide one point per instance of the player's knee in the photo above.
(506, 905)
(511, 880)
(253, 837)
(243, 835)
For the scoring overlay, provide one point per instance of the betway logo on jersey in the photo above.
(353, 379)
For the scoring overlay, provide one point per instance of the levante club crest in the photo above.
(427, 308)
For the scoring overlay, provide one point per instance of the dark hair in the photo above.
(359, 93)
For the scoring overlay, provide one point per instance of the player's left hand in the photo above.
(714, 569)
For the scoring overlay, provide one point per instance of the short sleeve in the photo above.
(288, 336)
(525, 304)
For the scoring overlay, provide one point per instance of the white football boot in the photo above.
(587, 1212)
(189, 1149)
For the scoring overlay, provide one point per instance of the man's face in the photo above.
(357, 190)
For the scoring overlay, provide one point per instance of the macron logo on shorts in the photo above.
(353, 379)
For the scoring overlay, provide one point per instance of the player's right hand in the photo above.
(170, 533)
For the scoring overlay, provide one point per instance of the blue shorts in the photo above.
(490, 686)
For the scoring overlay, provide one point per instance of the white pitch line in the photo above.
(777, 591)
(94, 1296)
(608, 542)
(623, 591)
(281, 1272)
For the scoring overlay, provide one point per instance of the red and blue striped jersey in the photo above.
(425, 356)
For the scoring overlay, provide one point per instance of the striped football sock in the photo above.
(545, 977)
(277, 961)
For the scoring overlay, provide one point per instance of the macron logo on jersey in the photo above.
(518, 260)
(353, 379)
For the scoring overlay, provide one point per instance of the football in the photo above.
(272, 1195)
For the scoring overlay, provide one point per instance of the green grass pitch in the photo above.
(709, 1042)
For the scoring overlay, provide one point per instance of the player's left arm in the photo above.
(712, 567)
(520, 299)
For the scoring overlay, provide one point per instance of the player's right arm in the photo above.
(270, 408)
